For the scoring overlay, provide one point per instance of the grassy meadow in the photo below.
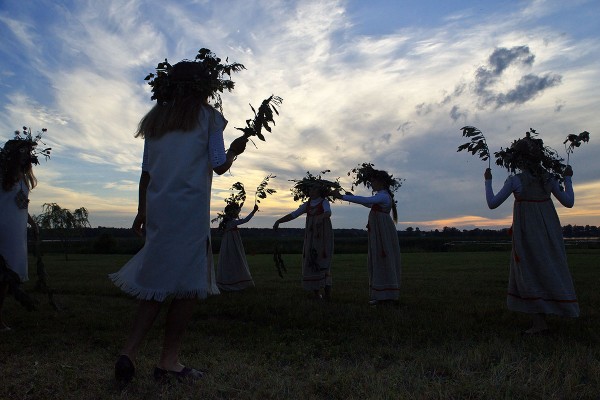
(451, 338)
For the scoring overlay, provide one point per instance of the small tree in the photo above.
(63, 222)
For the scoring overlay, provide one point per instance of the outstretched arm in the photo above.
(380, 197)
(241, 221)
(285, 218)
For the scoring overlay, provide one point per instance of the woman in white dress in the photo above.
(383, 254)
(317, 251)
(16, 180)
(232, 268)
(539, 281)
(183, 145)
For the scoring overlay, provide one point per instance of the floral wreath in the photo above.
(207, 81)
(364, 173)
(529, 153)
(301, 188)
(25, 138)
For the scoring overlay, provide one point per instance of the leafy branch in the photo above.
(262, 191)
(279, 264)
(262, 118)
(575, 141)
(477, 145)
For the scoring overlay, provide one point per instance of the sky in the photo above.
(386, 82)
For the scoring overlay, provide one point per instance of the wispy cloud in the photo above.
(397, 99)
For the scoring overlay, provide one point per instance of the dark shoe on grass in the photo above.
(186, 374)
(535, 332)
(124, 370)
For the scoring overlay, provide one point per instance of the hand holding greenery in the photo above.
(575, 141)
(262, 118)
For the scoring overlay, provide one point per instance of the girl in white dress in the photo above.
(539, 282)
(383, 255)
(317, 251)
(16, 180)
(183, 146)
(232, 268)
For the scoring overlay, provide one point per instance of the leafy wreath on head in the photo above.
(302, 187)
(210, 82)
(26, 138)
(530, 154)
(233, 205)
(364, 173)
(23, 138)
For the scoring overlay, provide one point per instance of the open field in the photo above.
(451, 338)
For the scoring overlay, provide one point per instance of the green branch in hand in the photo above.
(477, 144)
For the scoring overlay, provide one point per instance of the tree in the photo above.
(63, 222)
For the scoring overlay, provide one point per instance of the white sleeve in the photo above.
(494, 201)
(566, 198)
(301, 210)
(216, 144)
(145, 166)
(380, 197)
(326, 206)
(243, 220)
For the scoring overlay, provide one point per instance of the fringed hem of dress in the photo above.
(234, 286)
(157, 295)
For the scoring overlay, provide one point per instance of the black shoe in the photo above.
(124, 370)
(186, 374)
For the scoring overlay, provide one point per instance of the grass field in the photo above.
(451, 338)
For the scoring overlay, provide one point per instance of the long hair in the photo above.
(394, 210)
(181, 110)
(12, 168)
(178, 114)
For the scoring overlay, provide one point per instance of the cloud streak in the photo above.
(395, 98)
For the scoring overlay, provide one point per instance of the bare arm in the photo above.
(32, 223)
(140, 219)
(285, 218)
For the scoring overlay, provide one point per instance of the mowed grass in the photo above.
(451, 338)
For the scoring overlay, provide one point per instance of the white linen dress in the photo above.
(13, 230)
(317, 250)
(233, 272)
(539, 279)
(177, 257)
(384, 263)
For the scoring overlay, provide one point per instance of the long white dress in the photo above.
(539, 279)
(177, 256)
(233, 272)
(317, 250)
(13, 230)
(384, 262)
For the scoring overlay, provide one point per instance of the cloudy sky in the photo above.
(387, 82)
